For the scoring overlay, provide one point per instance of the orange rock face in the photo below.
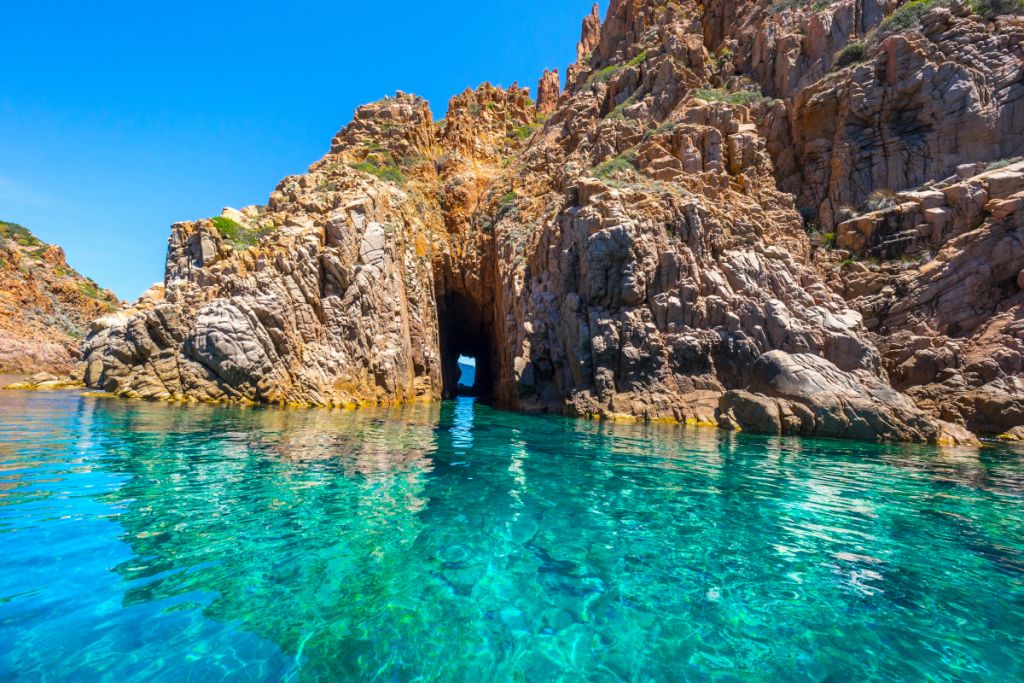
(45, 306)
(643, 250)
(548, 91)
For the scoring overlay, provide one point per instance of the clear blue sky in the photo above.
(119, 118)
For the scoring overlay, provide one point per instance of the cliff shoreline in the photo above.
(730, 215)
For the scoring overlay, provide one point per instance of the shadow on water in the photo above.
(456, 541)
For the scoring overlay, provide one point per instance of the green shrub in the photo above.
(19, 234)
(822, 240)
(237, 234)
(781, 5)
(1002, 163)
(388, 172)
(524, 132)
(661, 130)
(990, 9)
(638, 60)
(91, 290)
(741, 97)
(852, 53)
(604, 75)
(613, 167)
(908, 17)
(228, 229)
(618, 113)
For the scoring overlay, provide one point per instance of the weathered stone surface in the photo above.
(44, 381)
(853, 405)
(916, 107)
(640, 254)
(946, 306)
(548, 90)
(45, 305)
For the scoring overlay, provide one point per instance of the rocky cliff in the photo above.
(689, 231)
(45, 305)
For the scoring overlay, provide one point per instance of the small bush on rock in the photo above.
(228, 229)
(617, 166)
(744, 97)
(384, 172)
(236, 233)
(881, 199)
(991, 9)
(908, 17)
(852, 53)
(1002, 163)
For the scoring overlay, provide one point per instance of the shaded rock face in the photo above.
(632, 253)
(45, 305)
(911, 107)
(942, 294)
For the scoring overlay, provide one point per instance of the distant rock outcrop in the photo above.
(643, 249)
(45, 305)
(548, 91)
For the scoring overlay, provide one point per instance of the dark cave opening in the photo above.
(465, 332)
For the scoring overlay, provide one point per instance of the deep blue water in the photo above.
(148, 542)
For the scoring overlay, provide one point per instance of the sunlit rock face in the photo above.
(45, 306)
(635, 245)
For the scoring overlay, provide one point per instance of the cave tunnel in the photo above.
(465, 332)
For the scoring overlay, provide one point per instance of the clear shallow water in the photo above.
(145, 542)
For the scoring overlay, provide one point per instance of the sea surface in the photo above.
(150, 542)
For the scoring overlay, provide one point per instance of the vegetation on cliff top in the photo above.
(742, 97)
(384, 171)
(45, 305)
(908, 17)
(236, 233)
(19, 234)
(991, 9)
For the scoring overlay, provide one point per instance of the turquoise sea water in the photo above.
(146, 542)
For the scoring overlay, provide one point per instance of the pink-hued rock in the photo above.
(548, 90)
(45, 305)
(643, 254)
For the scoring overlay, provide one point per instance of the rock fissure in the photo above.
(636, 245)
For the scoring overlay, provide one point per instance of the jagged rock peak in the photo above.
(639, 251)
(548, 91)
(590, 35)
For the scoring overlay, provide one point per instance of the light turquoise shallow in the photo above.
(144, 542)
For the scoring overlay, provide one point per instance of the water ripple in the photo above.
(155, 542)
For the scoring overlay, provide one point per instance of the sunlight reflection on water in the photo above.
(455, 542)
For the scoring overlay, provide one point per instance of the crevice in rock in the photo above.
(466, 330)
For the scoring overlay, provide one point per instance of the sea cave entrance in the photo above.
(466, 351)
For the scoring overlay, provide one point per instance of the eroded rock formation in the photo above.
(45, 305)
(637, 248)
(548, 90)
